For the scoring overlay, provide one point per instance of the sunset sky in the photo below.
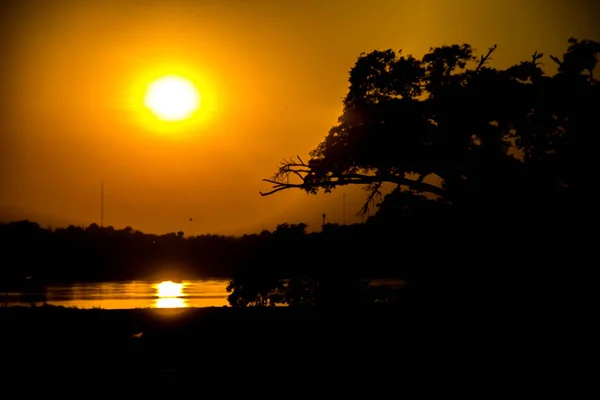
(271, 75)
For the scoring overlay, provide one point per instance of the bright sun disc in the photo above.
(172, 98)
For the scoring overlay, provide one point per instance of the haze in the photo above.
(271, 74)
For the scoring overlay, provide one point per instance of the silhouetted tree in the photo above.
(482, 162)
(450, 126)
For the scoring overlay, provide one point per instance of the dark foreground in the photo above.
(226, 352)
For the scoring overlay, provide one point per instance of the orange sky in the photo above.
(272, 75)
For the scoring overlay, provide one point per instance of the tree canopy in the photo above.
(452, 127)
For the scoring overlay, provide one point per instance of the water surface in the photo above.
(138, 294)
(127, 295)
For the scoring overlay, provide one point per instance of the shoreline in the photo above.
(165, 338)
(155, 349)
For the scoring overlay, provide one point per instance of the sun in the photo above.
(172, 98)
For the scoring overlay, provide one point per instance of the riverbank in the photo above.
(163, 346)
(151, 349)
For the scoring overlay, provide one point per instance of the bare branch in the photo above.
(281, 182)
(556, 60)
(298, 174)
(273, 191)
(535, 57)
(364, 211)
(288, 168)
(291, 167)
(485, 58)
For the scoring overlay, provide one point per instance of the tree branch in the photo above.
(556, 60)
(353, 179)
(485, 58)
(374, 192)
(535, 57)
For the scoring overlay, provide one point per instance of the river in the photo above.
(136, 294)
(127, 295)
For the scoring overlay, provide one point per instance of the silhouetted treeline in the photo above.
(434, 247)
(399, 241)
(94, 253)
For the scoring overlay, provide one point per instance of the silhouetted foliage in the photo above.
(482, 162)
(449, 125)
(95, 254)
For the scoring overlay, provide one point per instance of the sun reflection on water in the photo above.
(170, 295)
(170, 302)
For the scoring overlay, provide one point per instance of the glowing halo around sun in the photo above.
(172, 98)
(175, 100)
